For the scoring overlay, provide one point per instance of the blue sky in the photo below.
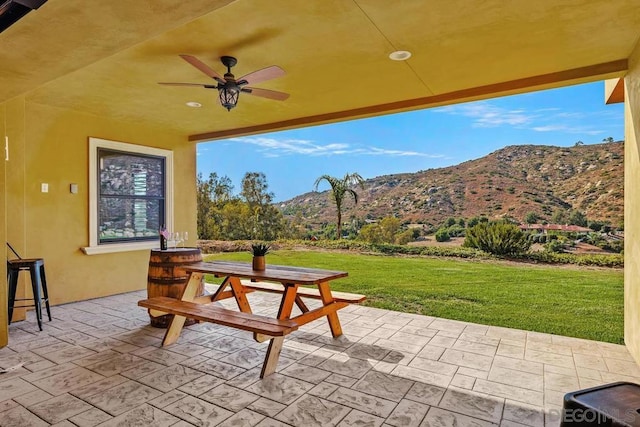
(409, 142)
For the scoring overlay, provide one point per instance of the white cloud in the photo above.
(545, 110)
(567, 129)
(487, 115)
(273, 147)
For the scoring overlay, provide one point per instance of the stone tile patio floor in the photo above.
(100, 363)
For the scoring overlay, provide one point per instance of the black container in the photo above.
(609, 405)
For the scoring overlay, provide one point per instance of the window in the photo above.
(130, 196)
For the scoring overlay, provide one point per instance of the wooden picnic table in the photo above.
(288, 281)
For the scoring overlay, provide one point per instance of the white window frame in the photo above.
(95, 247)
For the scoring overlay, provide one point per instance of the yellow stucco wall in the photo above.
(15, 131)
(50, 145)
(632, 207)
(3, 235)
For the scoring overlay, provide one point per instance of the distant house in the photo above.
(543, 228)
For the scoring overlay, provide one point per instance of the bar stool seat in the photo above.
(35, 266)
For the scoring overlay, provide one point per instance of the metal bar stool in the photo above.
(35, 266)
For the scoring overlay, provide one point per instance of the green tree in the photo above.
(577, 218)
(554, 245)
(476, 220)
(236, 221)
(455, 231)
(404, 237)
(387, 230)
(355, 224)
(328, 231)
(596, 225)
(559, 217)
(297, 227)
(255, 189)
(531, 218)
(204, 207)
(211, 195)
(340, 187)
(442, 235)
(371, 233)
(389, 227)
(266, 221)
(251, 216)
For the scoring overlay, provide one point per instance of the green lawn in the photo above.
(585, 303)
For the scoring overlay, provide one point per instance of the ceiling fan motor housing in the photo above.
(228, 61)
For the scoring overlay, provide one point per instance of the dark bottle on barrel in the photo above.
(163, 239)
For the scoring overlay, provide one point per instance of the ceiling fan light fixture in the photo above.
(228, 96)
(400, 55)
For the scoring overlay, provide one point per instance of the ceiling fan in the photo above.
(229, 87)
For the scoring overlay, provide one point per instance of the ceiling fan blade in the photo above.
(203, 67)
(188, 84)
(266, 93)
(263, 75)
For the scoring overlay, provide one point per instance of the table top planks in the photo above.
(279, 273)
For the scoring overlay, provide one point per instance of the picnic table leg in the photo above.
(240, 294)
(289, 296)
(301, 305)
(177, 323)
(334, 321)
(220, 291)
(271, 359)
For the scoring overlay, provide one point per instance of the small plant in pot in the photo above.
(259, 250)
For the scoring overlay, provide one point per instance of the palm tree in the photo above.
(339, 188)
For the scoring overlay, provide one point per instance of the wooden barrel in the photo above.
(167, 279)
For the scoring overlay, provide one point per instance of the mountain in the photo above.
(510, 182)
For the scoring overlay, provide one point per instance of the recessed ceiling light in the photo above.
(400, 55)
(194, 104)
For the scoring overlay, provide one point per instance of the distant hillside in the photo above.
(509, 182)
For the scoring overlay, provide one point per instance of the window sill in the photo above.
(119, 247)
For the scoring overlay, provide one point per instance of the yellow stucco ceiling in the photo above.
(106, 57)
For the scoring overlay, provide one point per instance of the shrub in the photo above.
(456, 231)
(442, 235)
(404, 237)
(554, 245)
(370, 233)
(611, 260)
(531, 218)
(538, 238)
(498, 238)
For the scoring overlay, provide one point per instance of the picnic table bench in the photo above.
(288, 281)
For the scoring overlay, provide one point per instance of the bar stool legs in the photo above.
(13, 285)
(43, 280)
(38, 280)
